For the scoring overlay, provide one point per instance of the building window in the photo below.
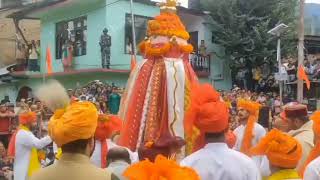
(72, 33)
(141, 23)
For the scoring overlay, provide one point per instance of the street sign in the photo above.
(281, 77)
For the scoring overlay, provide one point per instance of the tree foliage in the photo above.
(241, 27)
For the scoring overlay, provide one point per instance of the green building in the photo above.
(82, 23)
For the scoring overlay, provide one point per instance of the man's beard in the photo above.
(243, 119)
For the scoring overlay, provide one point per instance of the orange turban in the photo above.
(281, 149)
(107, 125)
(77, 121)
(27, 117)
(315, 152)
(253, 109)
(162, 168)
(212, 114)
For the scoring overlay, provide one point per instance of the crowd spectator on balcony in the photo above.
(316, 74)
(257, 75)
(202, 48)
(291, 70)
(21, 56)
(33, 57)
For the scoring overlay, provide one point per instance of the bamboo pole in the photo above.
(300, 49)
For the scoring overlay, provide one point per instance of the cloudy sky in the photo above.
(313, 1)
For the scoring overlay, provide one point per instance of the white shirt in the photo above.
(218, 162)
(118, 168)
(25, 141)
(96, 155)
(258, 132)
(312, 171)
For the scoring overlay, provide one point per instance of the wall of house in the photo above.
(109, 14)
(312, 19)
(220, 75)
(10, 90)
(115, 21)
(95, 24)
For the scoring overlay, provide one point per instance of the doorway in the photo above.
(194, 41)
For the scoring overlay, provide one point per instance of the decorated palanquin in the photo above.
(157, 96)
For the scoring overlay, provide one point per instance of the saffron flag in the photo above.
(49, 61)
(303, 76)
(133, 62)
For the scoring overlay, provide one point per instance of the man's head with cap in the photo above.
(73, 128)
(295, 114)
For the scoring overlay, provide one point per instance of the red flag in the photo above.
(49, 61)
(303, 76)
(133, 62)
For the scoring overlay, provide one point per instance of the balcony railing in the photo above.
(200, 64)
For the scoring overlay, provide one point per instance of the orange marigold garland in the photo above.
(148, 49)
(162, 168)
(167, 24)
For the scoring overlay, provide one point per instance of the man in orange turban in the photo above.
(250, 132)
(300, 127)
(216, 160)
(23, 147)
(73, 130)
(283, 152)
(312, 165)
(107, 126)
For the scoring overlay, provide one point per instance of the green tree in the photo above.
(241, 27)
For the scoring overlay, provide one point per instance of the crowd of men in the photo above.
(105, 97)
(280, 142)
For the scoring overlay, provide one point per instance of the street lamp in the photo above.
(276, 31)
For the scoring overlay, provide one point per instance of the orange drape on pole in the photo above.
(49, 61)
(303, 76)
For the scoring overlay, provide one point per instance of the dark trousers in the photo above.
(4, 138)
(33, 65)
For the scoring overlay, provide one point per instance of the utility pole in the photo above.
(300, 50)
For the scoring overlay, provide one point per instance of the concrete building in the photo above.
(85, 21)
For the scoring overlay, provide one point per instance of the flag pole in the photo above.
(44, 70)
(300, 50)
(133, 30)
